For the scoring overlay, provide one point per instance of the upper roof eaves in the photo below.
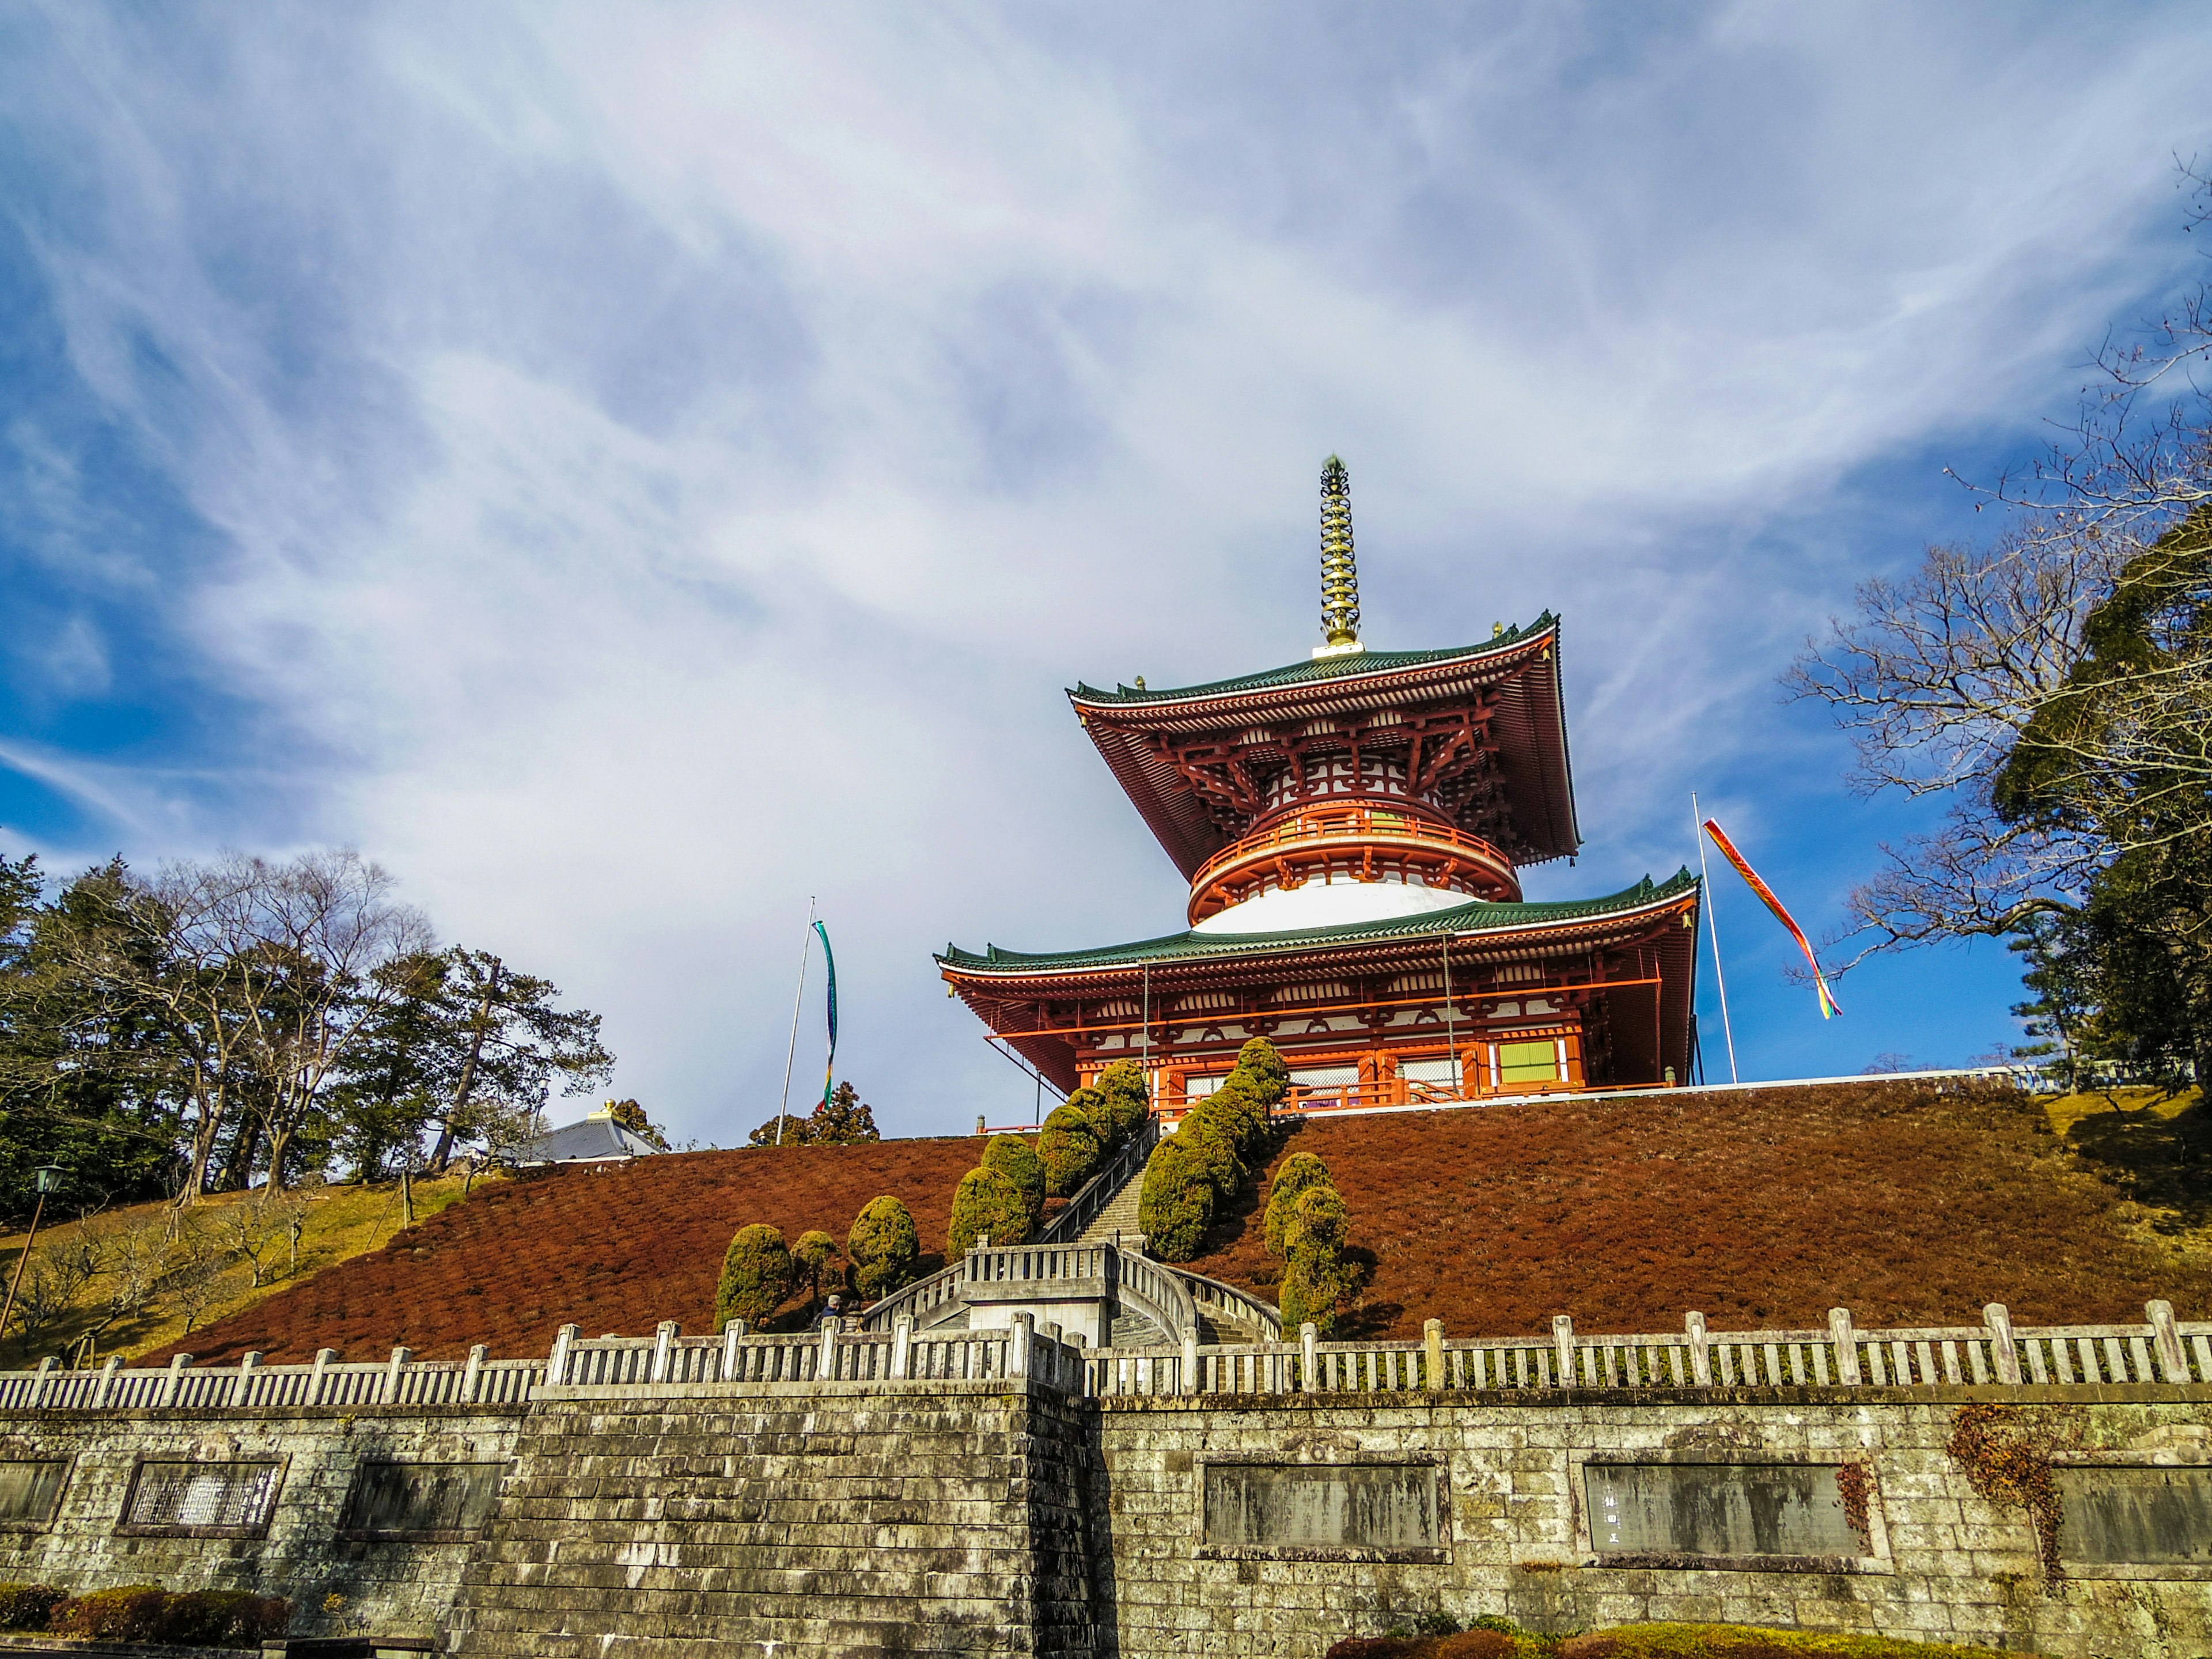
(1318, 668)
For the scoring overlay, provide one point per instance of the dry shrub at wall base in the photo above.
(2006, 1453)
(757, 1275)
(1292, 1176)
(987, 1206)
(882, 1247)
(197, 1618)
(1069, 1147)
(1014, 1158)
(1126, 1101)
(1175, 1204)
(28, 1606)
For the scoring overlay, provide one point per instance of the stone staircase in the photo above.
(1117, 1222)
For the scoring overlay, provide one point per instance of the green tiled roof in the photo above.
(1476, 916)
(1318, 668)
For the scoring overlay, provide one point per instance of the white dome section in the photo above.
(1329, 904)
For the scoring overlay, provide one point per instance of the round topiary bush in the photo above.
(756, 1276)
(1262, 1067)
(1318, 1221)
(987, 1206)
(882, 1247)
(1293, 1175)
(1068, 1148)
(811, 1258)
(1175, 1204)
(1016, 1159)
(1125, 1099)
(1313, 1289)
(1238, 1108)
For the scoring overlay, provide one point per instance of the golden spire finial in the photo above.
(1339, 570)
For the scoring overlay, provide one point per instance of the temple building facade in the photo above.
(1354, 828)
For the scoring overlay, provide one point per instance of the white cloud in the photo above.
(669, 459)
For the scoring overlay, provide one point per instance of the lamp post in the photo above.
(49, 1178)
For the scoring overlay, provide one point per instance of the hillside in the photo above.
(1906, 1205)
(613, 1247)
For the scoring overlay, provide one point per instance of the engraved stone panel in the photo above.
(2146, 1516)
(1359, 1506)
(204, 1498)
(1717, 1509)
(29, 1489)
(429, 1503)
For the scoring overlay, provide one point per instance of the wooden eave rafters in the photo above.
(1164, 751)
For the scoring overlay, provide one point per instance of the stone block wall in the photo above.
(392, 1587)
(1512, 1534)
(844, 1518)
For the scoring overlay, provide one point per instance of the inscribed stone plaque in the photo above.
(1717, 1509)
(1358, 1505)
(29, 1491)
(431, 1501)
(2150, 1517)
(194, 1497)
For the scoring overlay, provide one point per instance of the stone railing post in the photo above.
(48, 1367)
(472, 1378)
(1562, 1341)
(400, 1358)
(664, 1347)
(825, 1366)
(1846, 1339)
(242, 1390)
(2001, 1345)
(1310, 1356)
(734, 1332)
(902, 1348)
(320, 1378)
(1432, 1356)
(556, 1366)
(2166, 1337)
(1189, 1378)
(1701, 1350)
(100, 1389)
(172, 1382)
(1019, 1345)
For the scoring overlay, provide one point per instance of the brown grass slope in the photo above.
(609, 1246)
(1906, 1205)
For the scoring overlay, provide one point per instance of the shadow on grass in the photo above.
(2162, 1161)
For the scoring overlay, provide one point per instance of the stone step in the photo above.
(1119, 1218)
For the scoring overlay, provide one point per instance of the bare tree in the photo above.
(259, 1225)
(54, 1282)
(195, 1263)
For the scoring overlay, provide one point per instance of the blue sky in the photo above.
(632, 469)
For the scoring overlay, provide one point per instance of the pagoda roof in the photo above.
(1518, 669)
(1477, 916)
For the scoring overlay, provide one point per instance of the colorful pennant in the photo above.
(1829, 1006)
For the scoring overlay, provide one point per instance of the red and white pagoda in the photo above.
(1352, 827)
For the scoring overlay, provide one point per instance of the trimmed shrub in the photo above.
(987, 1206)
(1238, 1106)
(1069, 1147)
(1014, 1158)
(1316, 1281)
(1293, 1175)
(756, 1276)
(882, 1247)
(1318, 1221)
(1175, 1205)
(197, 1618)
(1209, 1140)
(814, 1252)
(1261, 1067)
(1126, 1100)
(28, 1606)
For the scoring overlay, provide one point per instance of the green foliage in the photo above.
(1069, 1148)
(785, 1131)
(1175, 1206)
(1207, 1136)
(145, 1613)
(813, 1253)
(1314, 1288)
(1125, 1099)
(843, 1119)
(987, 1206)
(632, 1117)
(757, 1275)
(882, 1247)
(1263, 1069)
(1237, 1107)
(1293, 1175)
(1318, 1222)
(28, 1606)
(1013, 1157)
(1317, 1282)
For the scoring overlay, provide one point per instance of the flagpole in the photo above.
(1713, 927)
(798, 999)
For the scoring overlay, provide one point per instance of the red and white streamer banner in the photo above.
(1828, 1003)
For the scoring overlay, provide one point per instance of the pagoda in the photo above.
(1354, 828)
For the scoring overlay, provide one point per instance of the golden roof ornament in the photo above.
(1339, 568)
